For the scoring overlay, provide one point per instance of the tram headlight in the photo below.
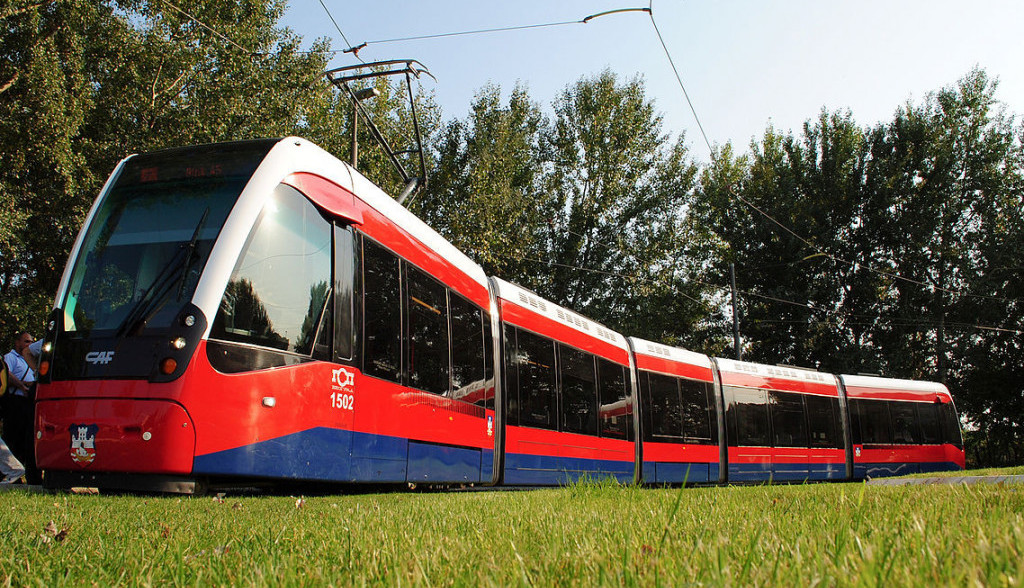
(179, 343)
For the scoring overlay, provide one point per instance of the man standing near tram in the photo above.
(19, 403)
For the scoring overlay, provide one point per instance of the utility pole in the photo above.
(735, 314)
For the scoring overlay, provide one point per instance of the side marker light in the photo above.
(168, 365)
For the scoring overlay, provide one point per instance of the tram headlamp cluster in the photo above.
(181, 342)
(44, 363)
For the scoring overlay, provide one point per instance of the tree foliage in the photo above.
(83, 83)
(585, 208)
(485, 195)
(894, 249)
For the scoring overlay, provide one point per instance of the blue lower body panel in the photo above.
(316, 454)
(660, 472)
(939, 467)
(545, 470)
(343, 456)
(789, 472)
(750, 472)
(786, 472)
(443, 463)
(379, 458)
(826, 471)
(883, 470)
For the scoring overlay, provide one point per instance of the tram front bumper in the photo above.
(114, 435)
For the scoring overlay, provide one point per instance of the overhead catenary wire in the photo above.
(752, 294)
(820, 251)
(778, 223)
(584, 20)
(355, 52)
(202, 24)
(613, 274)
(679, 78)
(835, 317)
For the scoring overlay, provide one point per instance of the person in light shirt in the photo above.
(19, 405)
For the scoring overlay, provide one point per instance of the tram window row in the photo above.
(896, 422)
(419, 332)
(284, 298)
(771, 418)
(678, 410)
(560, 388)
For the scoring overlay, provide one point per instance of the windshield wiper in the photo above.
(154, 298)
(190, 252)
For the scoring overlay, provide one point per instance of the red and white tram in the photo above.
(258, 311)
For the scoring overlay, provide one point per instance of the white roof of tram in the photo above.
(564, 316)
(676, 354)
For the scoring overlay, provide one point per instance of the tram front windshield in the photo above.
(151, 236)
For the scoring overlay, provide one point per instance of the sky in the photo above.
(745, 64)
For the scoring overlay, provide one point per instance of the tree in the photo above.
(486, 196)
(894, 250)
(44, 100)
(789, 216)
(615, 187)
(83, 84)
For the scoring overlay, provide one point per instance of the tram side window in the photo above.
(698, 411)
(748, 414)
(905, 427)
(951, 426)
(615, 412)
(823, 421)
(579, 391)
(488, 360)
(873, 417)
(469, 381)
(930, 417)
(427, 355)
(511, 366)
(789, 427)
(279, 288)
(663, 410)
(382, 313)
(344, 286)
(325, 331)
(536, 363)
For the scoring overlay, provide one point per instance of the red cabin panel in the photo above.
(114, 434)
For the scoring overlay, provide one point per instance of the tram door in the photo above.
(789, 437)
(748, 434)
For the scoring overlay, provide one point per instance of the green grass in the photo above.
(823, 534)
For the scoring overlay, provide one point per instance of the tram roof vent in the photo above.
(796, 367)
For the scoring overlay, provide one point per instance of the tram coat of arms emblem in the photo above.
(83, 443)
